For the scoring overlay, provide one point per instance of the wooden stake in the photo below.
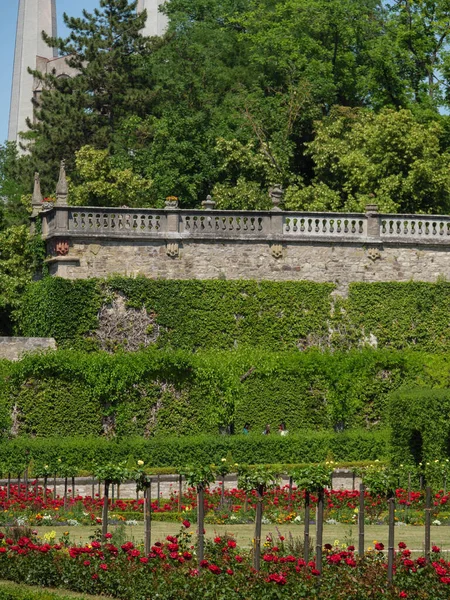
(391, 540)
(306, 528)
(361, 521)
(428, 523)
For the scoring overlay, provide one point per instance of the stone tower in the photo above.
(156, 22)
(34, 17)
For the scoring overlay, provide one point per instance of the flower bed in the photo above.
(234, 507)
(171, 570)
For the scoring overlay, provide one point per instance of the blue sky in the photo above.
(8, 20)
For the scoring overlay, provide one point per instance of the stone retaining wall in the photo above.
(12, 348)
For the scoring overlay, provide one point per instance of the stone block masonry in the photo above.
(339, 248)
(13, 348)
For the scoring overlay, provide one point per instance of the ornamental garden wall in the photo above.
(84, 242)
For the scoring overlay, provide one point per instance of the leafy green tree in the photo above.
(12, 208)
(16, 270)
(388, 158)
(100, 183)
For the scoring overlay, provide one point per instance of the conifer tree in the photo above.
(106, 48)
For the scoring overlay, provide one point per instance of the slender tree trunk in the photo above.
(428, 523)
(391, 540)
(319, 530)
(180, 491)
(290, 493)
(54, 486)
(306, 528)
(44, 493)
(65, 493)
(73, 488)
(258, 526)
(158, 489)
(105, 511)
(200, 523)
(93, 487)
(148, 518)
(361, 521)
(8, 488)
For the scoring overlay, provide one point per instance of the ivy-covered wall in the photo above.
(157, 392)
(225, 315)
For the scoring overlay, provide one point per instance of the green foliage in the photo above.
(217, 314)
(419, 419)
(313, 478)
(12, 209)
(259, 478)
(198, 475)
(81, 454)
(362, 157)
(380, 480)
(60, 308)
(100, 183)
(402, 315)
(16, 271)
(9, 591)
(112, 472)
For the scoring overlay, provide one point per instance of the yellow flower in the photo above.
(336, 542)
(140, 463)
(224, 460)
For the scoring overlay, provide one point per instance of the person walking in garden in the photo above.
(246, 429)
(282, 429)
(267, 430)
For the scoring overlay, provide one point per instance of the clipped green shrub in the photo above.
(156, 393)
(223, 315)
(83, 452)
(419, 418)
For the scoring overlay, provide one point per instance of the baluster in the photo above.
(97, 223)
(302, 224)
(238, 223)
(434, 227)
(331, 224)
(353, 226)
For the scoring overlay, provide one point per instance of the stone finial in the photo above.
(37, 199)
(62, 189)
(171, 202)
(276, 194)
(209, 203)
(371, 208)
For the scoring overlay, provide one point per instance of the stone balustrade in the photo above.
(177, 224)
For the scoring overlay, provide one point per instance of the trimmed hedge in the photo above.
(217, 314)
(80, 454)
(420, 421)
(179, 393)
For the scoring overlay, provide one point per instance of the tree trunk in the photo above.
(258, 525)
(428, 523)
(200, 523)
(391, 541)
(105, 511)
(306, 528)
(361, 521)
(148, 518)
(319, 531)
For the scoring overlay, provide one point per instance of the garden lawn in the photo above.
(412, 535)
(10, 586)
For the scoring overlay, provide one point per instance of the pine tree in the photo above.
(106, 49)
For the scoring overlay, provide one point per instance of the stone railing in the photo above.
(177, 224)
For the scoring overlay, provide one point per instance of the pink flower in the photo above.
(186, 523)
(103, 566)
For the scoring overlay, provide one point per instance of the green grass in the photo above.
(412, 535)
(10, 585)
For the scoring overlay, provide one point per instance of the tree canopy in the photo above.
(342, 102)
